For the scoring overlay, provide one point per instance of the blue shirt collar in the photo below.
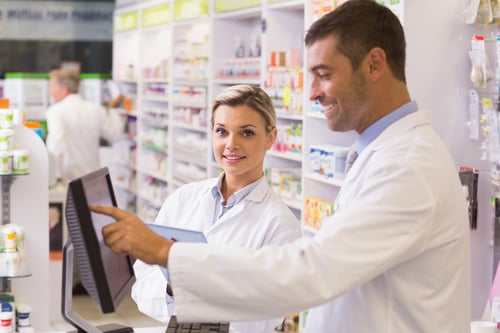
(374, 130)
(237, 196)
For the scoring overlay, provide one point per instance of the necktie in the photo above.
(351, 157)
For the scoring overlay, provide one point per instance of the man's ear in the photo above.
(377, 64)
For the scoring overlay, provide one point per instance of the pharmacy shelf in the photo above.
(237, 80)
(287, 156)
(283, 115)
(197, 54)
(324, 179)
(125, 73)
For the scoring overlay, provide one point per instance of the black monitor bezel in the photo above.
(87, 248)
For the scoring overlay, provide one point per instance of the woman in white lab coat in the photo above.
(237, 208)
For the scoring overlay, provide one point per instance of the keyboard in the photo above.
(176, 327)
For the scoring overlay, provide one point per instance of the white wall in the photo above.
(438, 77)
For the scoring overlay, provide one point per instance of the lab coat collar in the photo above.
(256, 194)
(260, 190)
(396, 129)
(401, 126)
(71, 97)
(375, 129)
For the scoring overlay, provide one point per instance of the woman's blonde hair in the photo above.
(251, 96)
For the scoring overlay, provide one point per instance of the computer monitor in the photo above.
(106, 276)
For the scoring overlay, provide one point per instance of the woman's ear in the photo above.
(271, 138)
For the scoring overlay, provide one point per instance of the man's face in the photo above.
(57, 91)
(340, 90)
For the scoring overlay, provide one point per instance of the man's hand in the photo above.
(129, 235)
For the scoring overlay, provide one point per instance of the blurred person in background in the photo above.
(75, 128)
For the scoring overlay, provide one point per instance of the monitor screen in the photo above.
(106, 276)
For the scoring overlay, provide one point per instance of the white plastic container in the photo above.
(20, 161)
(10, 264)
(315, 159)
(23, 312)
(19, 230)
(6, 139)
(5, 322)
(5, 162)
(6, 119)
(334, 161)
(10, 238)
(18, 116)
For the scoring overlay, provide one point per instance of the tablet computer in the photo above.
(178, 234)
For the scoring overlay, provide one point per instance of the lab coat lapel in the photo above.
(256, 195)
(395, 129)
(206, 209)
(403, 125)
(232, 213)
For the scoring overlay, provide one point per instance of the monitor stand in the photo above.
(81, 324)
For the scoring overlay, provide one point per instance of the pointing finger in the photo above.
(114, 212)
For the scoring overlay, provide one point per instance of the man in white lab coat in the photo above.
(75, 127)
(395, 255)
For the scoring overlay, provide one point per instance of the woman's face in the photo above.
(240, 141)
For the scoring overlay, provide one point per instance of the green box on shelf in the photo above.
(155, 15)
(20, 75)
(228, 5)
(187, 9)
(127, 21)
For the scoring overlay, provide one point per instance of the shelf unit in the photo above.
(194, 44)
(32, 213)
(153, 104)
(190, 160)
(125, 72)
(283, 68)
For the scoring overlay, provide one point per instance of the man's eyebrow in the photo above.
(318, 67)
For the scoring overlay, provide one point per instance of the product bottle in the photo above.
(240, 49)
(254, 46)
(5, 114)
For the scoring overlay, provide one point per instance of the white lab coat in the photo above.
(75, 127)
(393, 258)
(259, 219)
